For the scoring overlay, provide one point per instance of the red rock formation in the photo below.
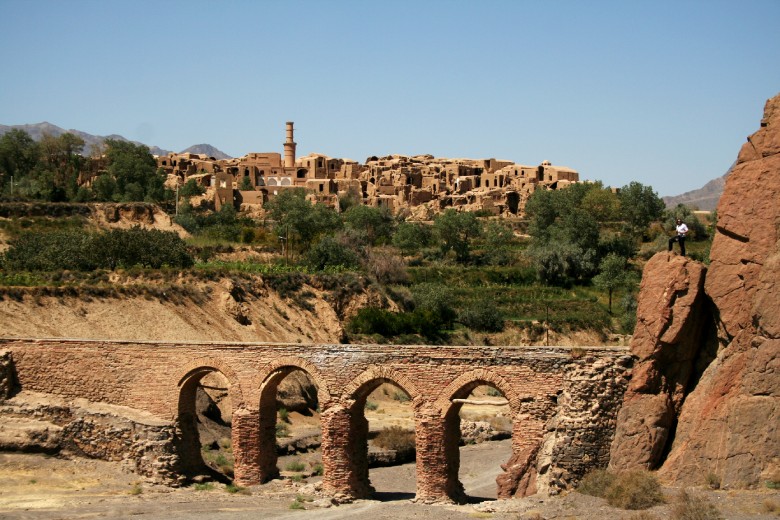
(666, 341)
(728, 423)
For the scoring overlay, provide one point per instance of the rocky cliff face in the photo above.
(706, 401)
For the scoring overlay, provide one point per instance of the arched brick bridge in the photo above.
(563, 403)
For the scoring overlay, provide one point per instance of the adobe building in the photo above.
(418, 186)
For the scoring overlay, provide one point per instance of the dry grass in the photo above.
(628, 490)
(688, 506)
(395, 438)
(635, 490)
(596, 483)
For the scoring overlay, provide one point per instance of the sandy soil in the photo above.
(49, 488)
(37, 487)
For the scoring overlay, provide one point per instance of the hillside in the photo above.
(705, 198)
(182, 309)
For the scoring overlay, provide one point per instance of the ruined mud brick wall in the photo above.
(158, 378)
(6, 374)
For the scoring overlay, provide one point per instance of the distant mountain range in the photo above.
(37, 131)
(705, 198)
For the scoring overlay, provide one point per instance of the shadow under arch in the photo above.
(268, 383)
(461, 388)
(187, 438)
(355, 395)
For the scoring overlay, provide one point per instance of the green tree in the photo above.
(601, 203)
(435, 302)
(375, 223)
(191, 188)
(612, 275)
(329, 252)
(104, 188)
(246, 184)
(639, 206)
(134, 170)
(298, 218)
(19, 155)
(498, 244)
(456, 231)
(410, 237)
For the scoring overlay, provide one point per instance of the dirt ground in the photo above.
(49, 488)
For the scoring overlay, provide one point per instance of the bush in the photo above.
(82, 251)
(396, 438)
(295, 465)
(329, 252)
(191, 188)
(482, 316)
(412, 237)
(596, 483)
(282, 430)
(387, 266)
(401, 396)
(635, 490)
(688, 506)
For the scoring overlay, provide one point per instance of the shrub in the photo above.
(401, 396)
(297, 505)
(317, 469)
(205, 486)
(191, 188)
(329, 252)
(712, 481)
(81, 251)
(688, 506)
(494, 392)
(635, 490)
(295, 465)
(596, 483)
(482, 316)
(371, 406)
(387, 266)
(282, 430)
(396, 438)
(284, 415)
(411, 237)
(233, 488)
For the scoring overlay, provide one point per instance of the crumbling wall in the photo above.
(7, 379)
(35, 422)
(578, 435)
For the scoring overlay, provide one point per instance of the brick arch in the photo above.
(323, 390)
(477, 377)
(187, 443)
(382, 372)
(201, 366)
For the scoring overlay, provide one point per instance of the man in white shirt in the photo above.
(682, 231)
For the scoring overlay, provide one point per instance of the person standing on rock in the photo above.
(682, 231)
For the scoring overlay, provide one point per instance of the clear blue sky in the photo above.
(662, 92)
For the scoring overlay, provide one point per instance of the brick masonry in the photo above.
(563, 406)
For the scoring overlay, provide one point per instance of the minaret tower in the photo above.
(289, 147)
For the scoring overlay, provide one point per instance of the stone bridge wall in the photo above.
(161, 378)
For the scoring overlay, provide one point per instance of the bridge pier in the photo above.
(344, 452)
(434, 465)
(246, 447)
